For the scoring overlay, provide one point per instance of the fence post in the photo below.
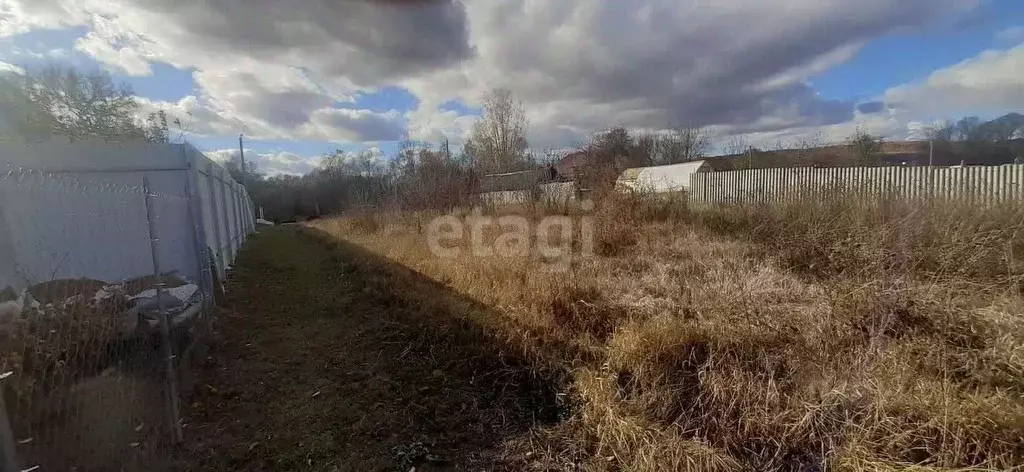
(234, 215)
(1019, 174)
(1004, 184)
(227, 223)
(237, 214)
(165, 324)
(229, 216)
(195, 174)
(1017, 182)
(242, 212)
(8, 256)
(215, 219)
(931, 192)
(246, 211)
(8, 448)
(200, 247)
(250, 212)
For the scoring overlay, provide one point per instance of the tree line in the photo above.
(419, 176)
(971, 140)
(64, 102)
(426, 176)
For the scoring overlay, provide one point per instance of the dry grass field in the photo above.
(819, 335)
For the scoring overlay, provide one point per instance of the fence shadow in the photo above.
(336, 357)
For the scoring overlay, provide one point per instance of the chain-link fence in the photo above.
(106, 294)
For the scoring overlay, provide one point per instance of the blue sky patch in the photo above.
(40, 48)
(458, 107)
(167, 83)
(906, 57)
(384, 100)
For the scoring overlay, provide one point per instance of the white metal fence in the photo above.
(108, 262)
(971, 184)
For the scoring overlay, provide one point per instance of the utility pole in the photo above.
(931, 153)
(241, 155)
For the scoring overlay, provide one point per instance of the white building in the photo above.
(670, 178)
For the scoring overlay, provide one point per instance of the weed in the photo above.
(832, 333)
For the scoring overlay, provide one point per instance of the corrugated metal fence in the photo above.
(973, 184)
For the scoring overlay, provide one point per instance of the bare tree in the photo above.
(647, 146)
(972, 129)
(182, 128)
(682, 145)
(64, 102)
(363, 163)
(867, 149)
(84, 105)
(969, 128)
(20, 116)
(154, 128)
(942, 131)
(1001, 131)
(736, 145)
(616, 141)
(551, 156)
(616, 149)
(497, 142)
(405, 160)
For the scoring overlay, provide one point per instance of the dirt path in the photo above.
(330, 359)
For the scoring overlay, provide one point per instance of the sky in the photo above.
(304, 78)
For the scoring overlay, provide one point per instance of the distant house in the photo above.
(525, 186)
(570, 166)
(673, 177)
(510, 181)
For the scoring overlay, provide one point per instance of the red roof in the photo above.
(571, 162)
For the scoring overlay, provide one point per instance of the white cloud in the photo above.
(584, 65)
(329, 124)
(6, 68)
(268, 70)
(268, 163)
(887, 125)
(435, 125)
(278, 69)
(124, 58)
(195, 118)
(347, 125)
(18, 17)
(36, 56)
(989, 82)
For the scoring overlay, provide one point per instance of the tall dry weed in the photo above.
(829, 334)
(838, 233)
